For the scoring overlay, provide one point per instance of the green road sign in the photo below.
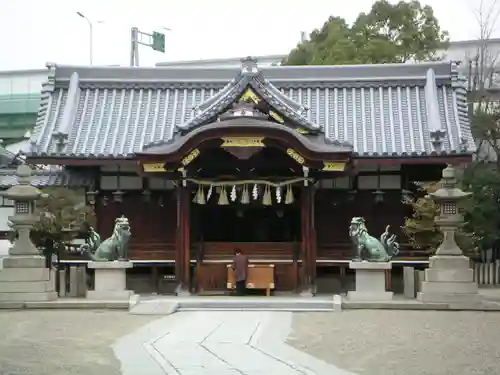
(158, 41)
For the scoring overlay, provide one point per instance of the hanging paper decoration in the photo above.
(209, 193)
(278, 194)
(223, 201)
(245, 197)
(289, 195)
(267, 200)
(255, 192)
(233, 194)
(200, 195)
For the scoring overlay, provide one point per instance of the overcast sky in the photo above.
(33, 32)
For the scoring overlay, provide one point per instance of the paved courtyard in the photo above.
(249, 343)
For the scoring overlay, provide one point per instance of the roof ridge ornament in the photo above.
(249, 66)
(436, 131)
(243, 109)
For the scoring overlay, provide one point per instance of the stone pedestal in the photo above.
(449, 279)
(370, 281)
(110, 280)
(24, 278)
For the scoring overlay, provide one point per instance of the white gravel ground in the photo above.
(58, 342)
(383, 342)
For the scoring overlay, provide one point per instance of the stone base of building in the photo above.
(449, 279)
(110, 281)
(370, 281)
(25, 279)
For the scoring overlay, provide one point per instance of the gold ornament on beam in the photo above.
(332, 166)
(154, 167)
(245, 196)
(223, 201)
(267, 199)
(289, 195)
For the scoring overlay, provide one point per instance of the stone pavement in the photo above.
(217, 343)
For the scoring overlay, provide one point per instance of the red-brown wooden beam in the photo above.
(308, 239)
(182, 254)
(313, 239)
(304, 241)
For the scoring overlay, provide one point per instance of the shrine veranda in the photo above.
(273, 161)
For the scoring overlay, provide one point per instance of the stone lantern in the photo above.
(24, 196)
(449, 219)
(24, 277)
(449, 278)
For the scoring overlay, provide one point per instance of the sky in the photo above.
(33, 32)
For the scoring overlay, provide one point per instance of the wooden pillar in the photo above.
(182, 258)
(313, 245)
(308, 240)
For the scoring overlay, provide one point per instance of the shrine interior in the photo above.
(254, 221)
(246, 222)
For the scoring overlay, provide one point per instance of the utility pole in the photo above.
(155, 40)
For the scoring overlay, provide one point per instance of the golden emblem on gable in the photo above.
(249, 95)
(277, 117)
(154, 167)
(333, 166)
(302, 131)
(243, 142)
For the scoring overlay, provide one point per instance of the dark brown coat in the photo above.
(240, 267)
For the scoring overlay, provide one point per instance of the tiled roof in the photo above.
(391, 109)
(43, 178)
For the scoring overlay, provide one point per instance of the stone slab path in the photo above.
(217, 343)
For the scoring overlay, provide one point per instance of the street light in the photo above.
(91, 35)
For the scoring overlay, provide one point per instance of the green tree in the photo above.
(63, 216)
(387, 34)
(482, 210)
(420, 227)
(482, 178)
(421, 230)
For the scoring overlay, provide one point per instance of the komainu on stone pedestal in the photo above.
(369, 248)
(113, 248)
(110, 262)
(370, 281)
(110, 281)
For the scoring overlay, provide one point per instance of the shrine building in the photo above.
(272, 161)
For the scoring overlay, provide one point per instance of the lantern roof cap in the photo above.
(24, 191)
